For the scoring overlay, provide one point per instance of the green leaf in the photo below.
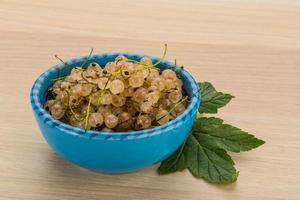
(175, 162)
(214, 165)
(212, 132)
(211, 99)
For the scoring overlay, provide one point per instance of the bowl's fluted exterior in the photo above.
(112, 152)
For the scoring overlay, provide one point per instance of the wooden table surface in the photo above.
(250, 49)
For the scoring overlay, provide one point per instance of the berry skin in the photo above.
(82, 90)
(105, 98)
(136, 80)
(169, 74)
(118, 100)
(146, 61)
(94, 98)
(125, 121)
(121, 58)
(153, 97)
(49, 104)
(146, 107)
(76, 74)
(143, 73)
(95, 119)
(111, 67)
(175, 96)
(85, 108)
(165, 104)
(170, 84)
(162, 117)
(57, 110)
(65, 85)
(153, 73)
(62, 97)
(159, 83)
(179, 109)
(111, 121)
(143, 122)
(104, 83)
(128, 92)
(117, 86)
(105, 110)
(73, 100)
(140, 95)
(75, 118)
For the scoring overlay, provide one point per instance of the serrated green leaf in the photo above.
(214, 165)
(176, 162)
(213, 133)
(211, 99)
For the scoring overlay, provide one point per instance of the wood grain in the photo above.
(247, 48)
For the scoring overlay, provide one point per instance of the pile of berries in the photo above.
(126, 95)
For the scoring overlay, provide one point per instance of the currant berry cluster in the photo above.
(126, 95)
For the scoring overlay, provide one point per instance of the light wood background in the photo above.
(250, 49)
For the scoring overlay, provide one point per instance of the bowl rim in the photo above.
(46, 118)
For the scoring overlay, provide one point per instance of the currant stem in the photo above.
(87, 59)
(87, 115)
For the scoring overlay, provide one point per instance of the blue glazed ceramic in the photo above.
(106, 151)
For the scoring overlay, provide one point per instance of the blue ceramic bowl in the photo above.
(110, 152)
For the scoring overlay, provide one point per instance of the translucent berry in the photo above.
(169, 84)
(62, 97)
(153, 73)
(143, 73)
(105, 110)
(136, 80)
(165, 104)
(125, 121)
(111, 67)
(117, 110)
(49, 104)
(153, 97)
(118, 100)
(162, 116)
(175, 96)
(104, 83)
(65, 85)
(111, 121)
(140, 95)
(117, 86)
(159, 83)
(125, 73)
(94, 98)
(169, 74)
(76, 74)
(105, 98)
(146, 61)
(143, 122)
(95, 67)
(75, 118)
(146, 107)
(152, 88)
(85, 108)
(73, 100)
(179, 109)
(132, 108)
(95, 119)
(121, 58)
(57, 110)
(128, 92)
(81, 124)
